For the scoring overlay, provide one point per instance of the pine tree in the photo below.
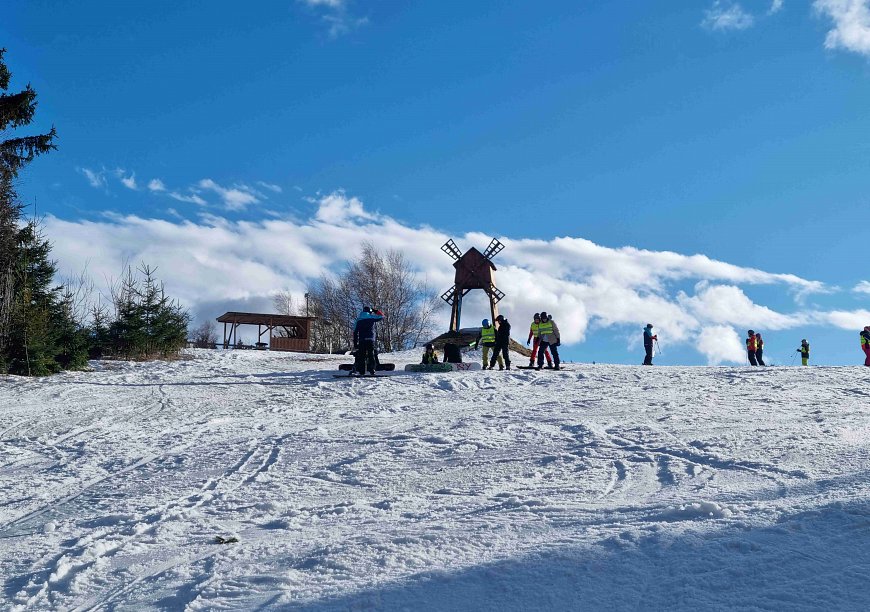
(26, 306)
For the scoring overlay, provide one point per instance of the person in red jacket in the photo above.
(533, 333)
(750, 347)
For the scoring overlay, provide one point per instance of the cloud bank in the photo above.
(214, 264)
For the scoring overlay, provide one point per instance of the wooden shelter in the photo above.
(474, 270)
(298, 330)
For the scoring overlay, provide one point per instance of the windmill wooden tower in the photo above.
(474, 270)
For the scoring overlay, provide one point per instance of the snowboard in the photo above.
(382, 367)
(355, 377)
(535, 368)
(441, 367)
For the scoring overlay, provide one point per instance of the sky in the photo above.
(698, 165)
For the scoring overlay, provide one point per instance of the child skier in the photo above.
(364, 340)
(430, 357)
(804, 350)
(534, 332)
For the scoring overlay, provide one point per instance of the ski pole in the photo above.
(658, 349)
(793, 357)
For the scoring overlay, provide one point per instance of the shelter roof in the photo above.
(255, 318)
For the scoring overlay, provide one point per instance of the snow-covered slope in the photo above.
(599, 487)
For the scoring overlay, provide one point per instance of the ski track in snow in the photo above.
(596, 487)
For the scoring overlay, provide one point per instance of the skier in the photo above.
(804, 350)
(430, 357)
(486, 339)
(759, 349)
(534, 333)
(550, 338)
(865, 344)
(364, 340)
(502, 344)
(750, 348)
(648, 338)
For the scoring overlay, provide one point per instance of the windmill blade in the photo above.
(495, 293)
(449, 296)
(495, 247)
(451, 249)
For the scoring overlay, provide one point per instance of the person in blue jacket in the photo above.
(364, 340)
(648, 339)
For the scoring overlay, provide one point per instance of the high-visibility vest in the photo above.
(759, 343)
(545, 328)
(805, 350)
(487, 334)
(535, 329)
(865, 338)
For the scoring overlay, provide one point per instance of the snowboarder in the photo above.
(750, 347)
(865, 345)
(550, 338)
(430, 357)
(364, 340)
(452, 353)
(502, 344)
(535, 333)
(804, 350)
(486, 340)
(648, 338)
(759, 349)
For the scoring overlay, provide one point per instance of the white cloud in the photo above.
(193, 198)
(214, 262)
(127, 181)
(156, 185)
(234, 198)
(270, 186)
(851, 24)
(775, 6)
(334, 4)
(726, 15)
(96, 178)
(862, 287)
(720, 344)
(336, 15)
(843, 319)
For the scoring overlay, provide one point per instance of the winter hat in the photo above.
(499, 318)
(485, 322)
(537, 315)
(649, 325)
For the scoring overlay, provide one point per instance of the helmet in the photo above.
(537, 315)
(429, 346)
(367, 308)
(500, 318)
(543, 315)
(485, 322)
(649, 324)
(751, 333)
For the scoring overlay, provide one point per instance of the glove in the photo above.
(527, 343)
(655, 337)
(473, 345)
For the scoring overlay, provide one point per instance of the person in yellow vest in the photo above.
(550, 339)
(759, 349)
(865, 345)
(534, 332)
(486, 340)
(804, 350)
(430, 356)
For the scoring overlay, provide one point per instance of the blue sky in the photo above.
(737, 131)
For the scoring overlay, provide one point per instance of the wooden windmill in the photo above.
(474, 270)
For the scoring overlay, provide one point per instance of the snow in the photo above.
(596, 487)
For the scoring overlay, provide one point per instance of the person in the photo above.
(648, 338)
(759, 349)
(452, 353)
(430, 357)
(534, 333)
(486, 340)
(550, 339)
(865, 345)
(804, 350)
(364, 340)
(502, 344)
(750, 348)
